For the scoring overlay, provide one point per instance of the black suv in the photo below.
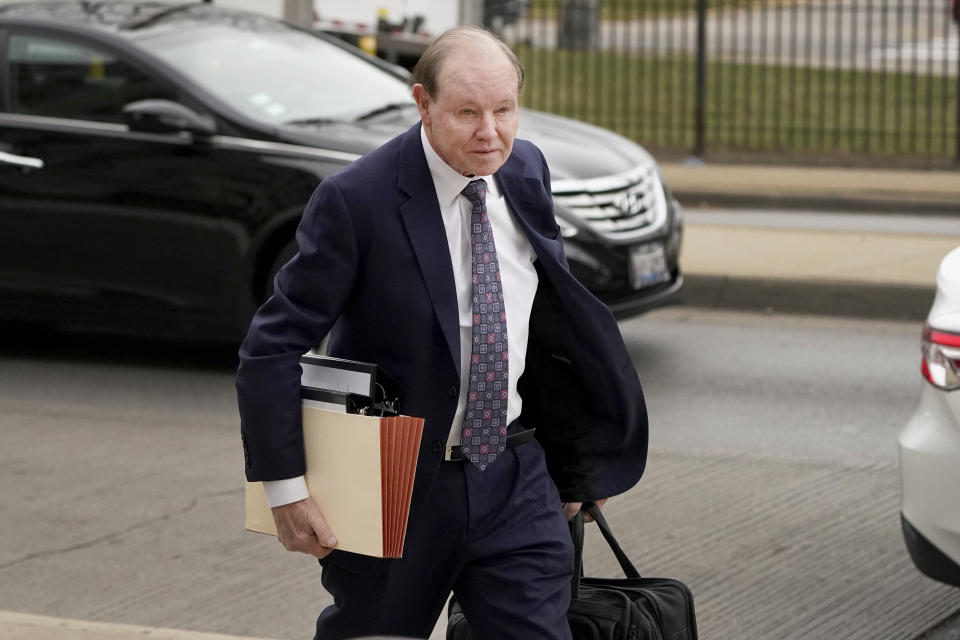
(155, 160)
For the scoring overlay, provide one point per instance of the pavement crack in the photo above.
(115, 535)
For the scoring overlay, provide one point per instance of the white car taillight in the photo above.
(941, 358)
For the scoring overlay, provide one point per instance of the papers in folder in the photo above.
(361, 456)
(348, 385)
(360, 472)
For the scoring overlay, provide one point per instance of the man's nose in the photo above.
(487, 127)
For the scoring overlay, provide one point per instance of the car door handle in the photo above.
(24, 162)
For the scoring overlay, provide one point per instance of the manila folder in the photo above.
(360, 472)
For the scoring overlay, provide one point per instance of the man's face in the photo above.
(472, 120)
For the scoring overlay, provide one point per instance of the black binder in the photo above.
(349, 386)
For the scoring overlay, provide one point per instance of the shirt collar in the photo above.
(446, 180)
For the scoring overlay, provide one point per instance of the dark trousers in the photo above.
(496, 538)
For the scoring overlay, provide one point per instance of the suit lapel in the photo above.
(522, 188)
(424, 225)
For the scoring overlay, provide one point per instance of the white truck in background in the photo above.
(396, 30)
(439, 15)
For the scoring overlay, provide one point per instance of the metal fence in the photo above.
(845, 80)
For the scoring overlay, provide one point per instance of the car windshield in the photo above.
(271, 72)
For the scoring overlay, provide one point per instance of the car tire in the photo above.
(283, 257)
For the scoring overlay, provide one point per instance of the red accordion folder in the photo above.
(360, 472)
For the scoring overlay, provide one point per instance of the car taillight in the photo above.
(941, 358)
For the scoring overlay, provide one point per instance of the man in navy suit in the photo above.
(438, 257)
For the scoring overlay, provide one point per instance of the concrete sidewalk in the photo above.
(855, 273)
(750, 265)
(866, 270)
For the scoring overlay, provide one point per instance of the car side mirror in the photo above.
(166, 116)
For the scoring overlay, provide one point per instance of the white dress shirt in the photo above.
(518, 276)
(518, 279)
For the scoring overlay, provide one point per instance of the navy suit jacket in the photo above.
(374, 271)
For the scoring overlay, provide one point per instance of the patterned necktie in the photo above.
(484, 434)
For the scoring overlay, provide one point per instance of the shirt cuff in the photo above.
(281, 492)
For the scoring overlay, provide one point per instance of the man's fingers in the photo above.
(302, 541)
(602, 501)
(301, 527)
(312, 546)
(571, 509)
(321, 529)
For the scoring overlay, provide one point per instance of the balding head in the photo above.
(466, 86)
(463, 41)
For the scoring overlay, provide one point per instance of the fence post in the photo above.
(579, 25)
(700, 116)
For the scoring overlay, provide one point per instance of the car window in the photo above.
(62, 78)
(277, 74)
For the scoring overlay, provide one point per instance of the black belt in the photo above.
(455, 453)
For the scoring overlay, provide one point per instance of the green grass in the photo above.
(749, 107)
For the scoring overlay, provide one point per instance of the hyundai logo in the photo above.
(631, 203)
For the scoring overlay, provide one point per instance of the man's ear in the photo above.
(422, 99)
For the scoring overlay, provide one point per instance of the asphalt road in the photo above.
(823, 390)
(771, 488)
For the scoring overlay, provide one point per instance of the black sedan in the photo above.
(155, 160)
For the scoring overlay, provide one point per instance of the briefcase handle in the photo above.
(576, 531)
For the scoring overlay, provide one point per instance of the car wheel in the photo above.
(283, 257)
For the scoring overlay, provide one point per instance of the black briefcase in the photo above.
(631, 608)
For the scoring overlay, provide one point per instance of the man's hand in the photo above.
(571, 509)
(301, 527)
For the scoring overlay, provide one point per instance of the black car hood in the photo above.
(574, 150)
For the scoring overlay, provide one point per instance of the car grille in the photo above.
(621, 208)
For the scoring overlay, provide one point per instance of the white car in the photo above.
(930, 441)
